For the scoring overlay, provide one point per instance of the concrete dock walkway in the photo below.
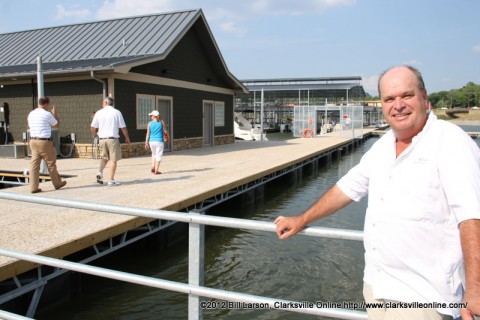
(188, 177)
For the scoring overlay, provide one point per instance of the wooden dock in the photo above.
(188, 177)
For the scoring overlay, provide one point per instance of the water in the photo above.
(301, 268)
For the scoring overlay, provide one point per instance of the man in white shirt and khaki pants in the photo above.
(106, 124)
(422, 226)
(40, 122)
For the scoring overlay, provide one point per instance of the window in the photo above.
(219, 113)
(145, 105)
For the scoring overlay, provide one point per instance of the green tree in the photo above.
(467, 96)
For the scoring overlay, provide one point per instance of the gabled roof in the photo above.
(110, 45)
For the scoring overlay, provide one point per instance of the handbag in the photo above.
(166, 138)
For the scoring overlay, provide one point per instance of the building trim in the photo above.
(137, 77)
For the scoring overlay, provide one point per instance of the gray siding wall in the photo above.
(75, 101)
(187, 108)
(188, 61)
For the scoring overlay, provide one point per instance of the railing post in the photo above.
(196, 260)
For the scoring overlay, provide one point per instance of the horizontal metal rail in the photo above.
(192, 219)
(235, 223)
(185, 288)
(4, 315)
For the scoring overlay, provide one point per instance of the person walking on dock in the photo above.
(154, 139)
(422, 226)
(106, 124)
(40, 122)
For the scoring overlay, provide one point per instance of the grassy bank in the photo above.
(472, 116)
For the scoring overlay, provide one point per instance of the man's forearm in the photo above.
(470, 238)
(125, 133)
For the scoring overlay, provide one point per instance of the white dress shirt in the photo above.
(416, 201)
(108, 121)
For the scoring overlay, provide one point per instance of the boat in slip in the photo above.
(243, 130)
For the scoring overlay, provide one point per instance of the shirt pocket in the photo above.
(419, 190)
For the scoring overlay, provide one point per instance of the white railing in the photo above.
(195, 288)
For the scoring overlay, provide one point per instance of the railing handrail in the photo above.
(5, 315)
(199, 291)
(180, 287)
(217, 221)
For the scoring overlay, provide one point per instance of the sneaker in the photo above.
(113, 183)
(99, 178)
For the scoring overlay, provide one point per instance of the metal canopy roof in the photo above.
(296, 87)
(290, 87)
(289, 81)
(109, 45)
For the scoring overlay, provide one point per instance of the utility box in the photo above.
(15, 151)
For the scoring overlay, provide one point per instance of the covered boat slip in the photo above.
(189, 177)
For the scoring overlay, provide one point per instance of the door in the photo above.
(207, 123)
(164, 106)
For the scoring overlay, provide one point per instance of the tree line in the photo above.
(465, 97)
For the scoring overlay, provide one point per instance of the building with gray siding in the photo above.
(168, 61)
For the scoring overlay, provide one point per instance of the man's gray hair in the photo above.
(416, 72)
(109, 101)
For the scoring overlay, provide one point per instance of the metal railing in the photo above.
(194, 288)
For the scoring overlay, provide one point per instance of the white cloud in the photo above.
(370, 84)
(229, 16)
(74, 13)
(298, 7)
(413, 63)
(476, 48)
(123, 8)
(233, 27)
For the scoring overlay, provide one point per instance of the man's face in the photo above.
(404, 104)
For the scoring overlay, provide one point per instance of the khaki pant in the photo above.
(398, 313)
(43, 149)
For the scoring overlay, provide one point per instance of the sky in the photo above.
(305, 38)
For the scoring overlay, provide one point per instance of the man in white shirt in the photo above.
(40, 122)
(106, 124)
(422, 226)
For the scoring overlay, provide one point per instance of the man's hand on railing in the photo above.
(472, 310)
(288, 226)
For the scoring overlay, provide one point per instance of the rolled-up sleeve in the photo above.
(355, 183)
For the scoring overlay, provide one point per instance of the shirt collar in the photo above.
(431, 118)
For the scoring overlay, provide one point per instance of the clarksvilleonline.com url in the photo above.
(355, 305)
